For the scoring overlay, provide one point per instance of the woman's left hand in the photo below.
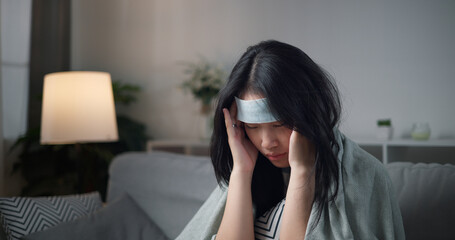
(301, 188)
(301, 152)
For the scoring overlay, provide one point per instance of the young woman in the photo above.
(284, 170)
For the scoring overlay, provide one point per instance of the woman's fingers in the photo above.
(301, 151)
(228, 121)
(231, 115)
(233, 111)
(232, 125)
(244, 154)
(294, 137)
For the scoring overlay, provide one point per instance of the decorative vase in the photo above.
(420, 131)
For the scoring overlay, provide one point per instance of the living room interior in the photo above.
(391, 60)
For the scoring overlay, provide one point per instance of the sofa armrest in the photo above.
(426, 195)
(169, 187)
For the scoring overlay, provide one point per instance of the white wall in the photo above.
(391, 58)
(15, 57)
(15, 45)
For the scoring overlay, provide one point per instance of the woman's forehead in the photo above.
(248, 95)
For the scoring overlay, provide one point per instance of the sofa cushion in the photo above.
(169, 187)
(24, 215)
(121, 219)
(426, 195)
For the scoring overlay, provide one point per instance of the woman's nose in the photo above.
(269, 140)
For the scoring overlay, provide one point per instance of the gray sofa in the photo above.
(167, 189)
(171, 187)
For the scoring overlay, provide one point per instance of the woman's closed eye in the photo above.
(251, 126)
(255, 126)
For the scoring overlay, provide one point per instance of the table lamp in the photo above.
(78, 107)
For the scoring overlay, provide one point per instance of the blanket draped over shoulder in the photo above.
(365, 207)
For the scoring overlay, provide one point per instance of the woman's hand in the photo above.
(301, 152)
(300, 192)
(238, 222)
(244, 153)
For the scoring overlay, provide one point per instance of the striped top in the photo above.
(267, 226)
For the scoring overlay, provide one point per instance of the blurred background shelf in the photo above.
(432, 150)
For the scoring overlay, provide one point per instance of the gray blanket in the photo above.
(365, 207)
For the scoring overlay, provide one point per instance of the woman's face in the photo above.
(271, 139)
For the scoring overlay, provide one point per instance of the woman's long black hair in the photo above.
(303, 97)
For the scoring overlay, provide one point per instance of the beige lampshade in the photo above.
(78, 107)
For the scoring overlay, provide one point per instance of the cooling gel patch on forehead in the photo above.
(254, 111)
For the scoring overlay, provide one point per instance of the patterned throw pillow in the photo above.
(21, 216)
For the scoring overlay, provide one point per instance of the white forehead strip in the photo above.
(254, 111)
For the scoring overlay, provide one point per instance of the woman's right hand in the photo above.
(238, 220)
(244, 153)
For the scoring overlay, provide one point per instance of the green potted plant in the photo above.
(204, 81)
(384, 129)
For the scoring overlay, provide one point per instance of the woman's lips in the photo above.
(274, 157)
